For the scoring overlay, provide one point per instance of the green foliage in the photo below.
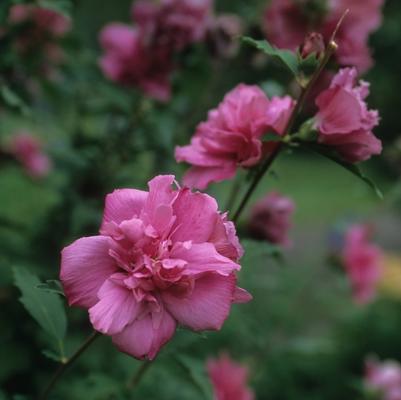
(290, 59)
(45, 307)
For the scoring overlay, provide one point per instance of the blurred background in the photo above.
(302, 337)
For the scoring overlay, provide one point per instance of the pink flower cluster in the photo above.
(28, 151)
(142, 55)
(163, 257)
(344, 120)
(232, 135)
(363, 263)
(42, 28)
(270, 218)
(287, 22)
(229, 379)
(383, 378)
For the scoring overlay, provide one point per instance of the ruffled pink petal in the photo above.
(196, 154)
(116, 307)
(160, 194)
(85, 266)
(225, 239)
(203, 257)
(192, 210)
(143, 338)
(122, 205)
(208, 306)
(340, 112)
(201, 177)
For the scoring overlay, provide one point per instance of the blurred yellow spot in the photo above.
(390, 282)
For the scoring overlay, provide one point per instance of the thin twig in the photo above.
(331, 48)
(63, 367)
(139, 374)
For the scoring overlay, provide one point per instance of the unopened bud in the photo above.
(313, 44)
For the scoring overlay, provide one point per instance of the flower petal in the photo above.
(208, 306)
(340, 112)
(192, 210)
(116, 307)
(122, 205)
(203, 257)
(85, 265)
(201, 177)
(143, 338)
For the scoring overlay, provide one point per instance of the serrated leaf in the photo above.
(45, 307)
(354, 169)
(196, 374)
(52, 286)
(287, 57)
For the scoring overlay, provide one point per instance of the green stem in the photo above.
(331, 48)
(63, 367)
(139, 374)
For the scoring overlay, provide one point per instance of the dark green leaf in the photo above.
(13, 100)
(354, 169)
(287, 57)
(52, 355)
(45, 307)
(52, 286)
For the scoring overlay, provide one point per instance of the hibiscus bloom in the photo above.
(128, 61)
(232, 135)
(28, 151)
(363, 263)
(229, 379)
(287, 22)
(163, 257)
(271, 218)
(344, 120)
(383, 378)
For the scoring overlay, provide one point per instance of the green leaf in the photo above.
(13, 100)
(287, 57)
(52, 355)
(353, 168)
(45, 307)
(52, 286)
(195, 371)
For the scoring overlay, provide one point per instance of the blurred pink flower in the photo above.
(39, 30)
(128, 61)
(287, 22)
(363, 263)
(270, 218)
(344, 120)
(312, 44)
(44, 20)
(229, 379)
(28, 151)
(232, 135)
(384, 378)
(174, 24)
(163, 257)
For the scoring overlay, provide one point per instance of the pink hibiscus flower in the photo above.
(363, 263)
(128, 61)
(28, 151)
(172, 23)
(229, 379)
(271, 218)
(163, 257)
(287, 22)
(383, 378)
(344, 120)
(232, 135)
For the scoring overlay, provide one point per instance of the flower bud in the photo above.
(313, 44)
